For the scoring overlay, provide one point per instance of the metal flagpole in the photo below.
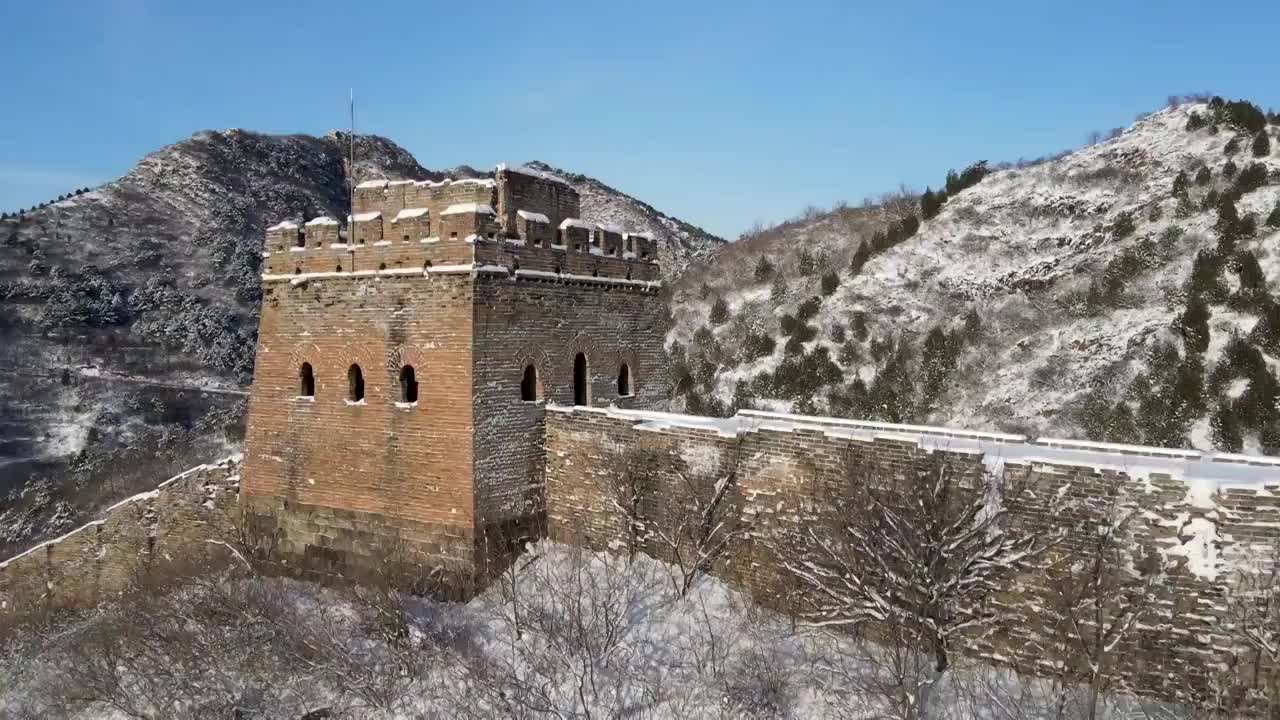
(351, 184)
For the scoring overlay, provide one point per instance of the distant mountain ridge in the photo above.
(129, 312)
(1126, 291)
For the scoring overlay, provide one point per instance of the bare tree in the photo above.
(624, 482)
(704, 518)
(916, 552)
(1100, 588)
(1253, 609)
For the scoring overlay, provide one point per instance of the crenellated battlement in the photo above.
(518, 221)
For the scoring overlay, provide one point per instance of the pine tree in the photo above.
(938, 359)
(1227, 225)
(1180, 185)
(931, 204)
(764, 269)
(858, 326)
(863, 254)
(719, 311)
(1226, 429)
(1204, 175)
(808, 263)
(972, 323)
(778, 291)
(1193, 325)
(1261, 144)
(1232, 147)
(1120, 426)
(1252, 279)
(1229, 170)
(830, 281)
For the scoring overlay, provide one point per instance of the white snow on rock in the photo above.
(468, 209)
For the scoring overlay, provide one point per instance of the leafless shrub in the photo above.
(703, 519)
(918, 550)
(563, 647)
(239, 645)
(1100, 588)
(1253, 610)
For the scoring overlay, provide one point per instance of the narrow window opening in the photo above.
(453, 235)
(408, 385)
(297, 270)
(557, 269)
(301, 241)
(382, 266)
(624, 381)
(581, 390)
(338, 268)
(355, 384)
(406, 238)
(530, 390)
(306, 381)
(595, 272)
(515, 264)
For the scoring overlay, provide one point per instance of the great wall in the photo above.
(467, 369)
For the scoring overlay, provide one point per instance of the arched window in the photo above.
(530, 390)
(408, 385)
(306, 381)
(355, 384)
(581, 386)
(624, 380)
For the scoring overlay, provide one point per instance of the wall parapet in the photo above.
(184, 522)
(1204, 519)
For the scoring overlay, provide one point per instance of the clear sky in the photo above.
(720, 113)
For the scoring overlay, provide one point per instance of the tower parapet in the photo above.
(406, 226)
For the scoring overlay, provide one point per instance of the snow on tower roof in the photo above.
(366, 216)
(575, 222)
(410, 213)
(284, 225)
(372, 184)
(466, 208)
(322, 220)
(533, 216)
(535, 172)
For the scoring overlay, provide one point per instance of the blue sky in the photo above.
(723, 114)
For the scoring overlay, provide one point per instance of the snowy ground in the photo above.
(568, 634)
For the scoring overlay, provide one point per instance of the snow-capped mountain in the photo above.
(128, 312)
(1051, 298)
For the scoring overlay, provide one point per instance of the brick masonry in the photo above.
(478, 284)
(468, 283)
(1197, 515)
(184, 525)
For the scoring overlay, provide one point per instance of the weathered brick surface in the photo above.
(455, 478)
(179, 527)
(786, 468)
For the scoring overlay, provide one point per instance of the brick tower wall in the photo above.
(546, 322)
(336, 485)
(535, 193)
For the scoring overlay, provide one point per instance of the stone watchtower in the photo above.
(404, 363)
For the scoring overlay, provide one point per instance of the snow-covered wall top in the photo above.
(1203, 470)
(1188, 526)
